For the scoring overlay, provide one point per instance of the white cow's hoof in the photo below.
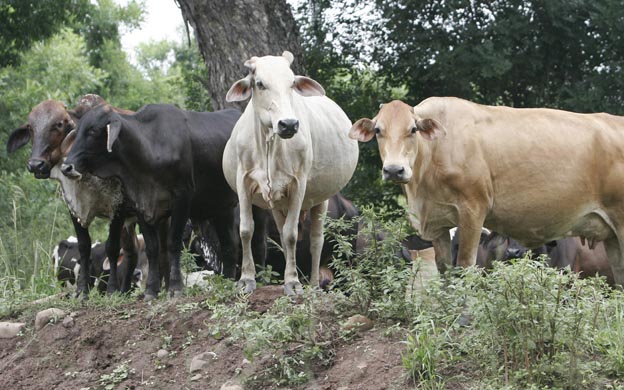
(247, 285)
(292, 288)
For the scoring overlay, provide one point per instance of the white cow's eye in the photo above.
(260, 85)
(414, 129)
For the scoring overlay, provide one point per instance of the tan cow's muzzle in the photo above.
(396, 173)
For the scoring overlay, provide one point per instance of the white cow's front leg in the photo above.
(292, 285)
(316, 240)
(248, 272)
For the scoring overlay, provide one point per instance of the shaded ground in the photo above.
(124, 342)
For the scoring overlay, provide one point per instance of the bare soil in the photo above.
(76, 357)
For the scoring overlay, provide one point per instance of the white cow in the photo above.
(289, 152)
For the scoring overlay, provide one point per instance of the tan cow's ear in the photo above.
(305, 86)
(67, 143)
(241, 90)
(362, 130)
(430, 129)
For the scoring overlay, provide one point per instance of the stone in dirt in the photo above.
(68, 322)
(231, 385)
(9, 330)
(358, 323)
(162, 353)
(43, 317)
(201, 361)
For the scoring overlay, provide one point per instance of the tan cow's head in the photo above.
(48, 124)
(271, 84)
(396, 128)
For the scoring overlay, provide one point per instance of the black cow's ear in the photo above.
(18, 138)
(241, 90)
(362, 130)
(112, 133)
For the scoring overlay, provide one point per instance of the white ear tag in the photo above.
(108, 144)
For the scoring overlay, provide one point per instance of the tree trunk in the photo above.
(229, 32)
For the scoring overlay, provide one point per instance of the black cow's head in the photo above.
(90, 145)
(48, 124)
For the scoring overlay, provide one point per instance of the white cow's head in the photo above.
(270, 84)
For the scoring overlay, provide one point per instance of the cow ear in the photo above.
(305, 86)
(112, 133)
(430, 129)
(241, 90)
(362, 130)
(18, 138)
(289, 56)
(67, 143)
(494, 240)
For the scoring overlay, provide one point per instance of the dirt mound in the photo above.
(139, 345)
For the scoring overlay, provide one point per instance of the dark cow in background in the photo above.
(169, 163)
(339, 207)
(48, 126)
(66, 257)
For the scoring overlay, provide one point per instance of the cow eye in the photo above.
(414, 129)
(59, 125)
(377, 130)
(260, 85)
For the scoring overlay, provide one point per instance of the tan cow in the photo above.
(289, 151)
(460, 164)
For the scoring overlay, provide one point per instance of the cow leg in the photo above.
(246, 229)
(289, 231)
(112, 250)
(442, 249)
(316, 240)
(131, 256)
(616, 259)
(226, 231)
(468, 245)
(163, 257)
(84, 282)
(150, 235)
(179, 217)
(259, 238)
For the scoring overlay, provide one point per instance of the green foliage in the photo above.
(120, 373)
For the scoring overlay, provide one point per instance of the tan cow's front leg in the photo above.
(468, 245)
(248, 271)
(316, 240)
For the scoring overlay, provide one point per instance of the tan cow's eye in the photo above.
(414, 129)
(59, 125)
(377, 130)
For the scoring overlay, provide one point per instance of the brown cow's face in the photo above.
(48, 124)
(396, 128)
(271, 85)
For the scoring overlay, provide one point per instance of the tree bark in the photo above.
(229, 32)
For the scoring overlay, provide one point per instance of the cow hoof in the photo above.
(293, 288)
(247, 285)
(82, 295)
(149, 297)
(173, 295)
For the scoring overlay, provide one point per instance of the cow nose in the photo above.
(393, 172)
(35, 165)
(286, 128)
(514, 253)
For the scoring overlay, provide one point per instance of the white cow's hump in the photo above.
(90, 196)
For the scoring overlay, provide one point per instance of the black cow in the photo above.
(169, 163)
(48, 125)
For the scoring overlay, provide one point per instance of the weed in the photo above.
(119, 374)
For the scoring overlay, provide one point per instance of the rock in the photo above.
(68, 322)
(231, 385)
(196, 377)
(9, 330)
(201, 361)
(162, 353)
(43, 317)
(358, 323)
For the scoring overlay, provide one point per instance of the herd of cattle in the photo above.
(276, 169)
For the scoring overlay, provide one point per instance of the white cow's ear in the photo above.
(67, 143)
(305, 86)
(430, 129)
(112, 133)
(241, 90)
(289, 56)
(362, 130)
